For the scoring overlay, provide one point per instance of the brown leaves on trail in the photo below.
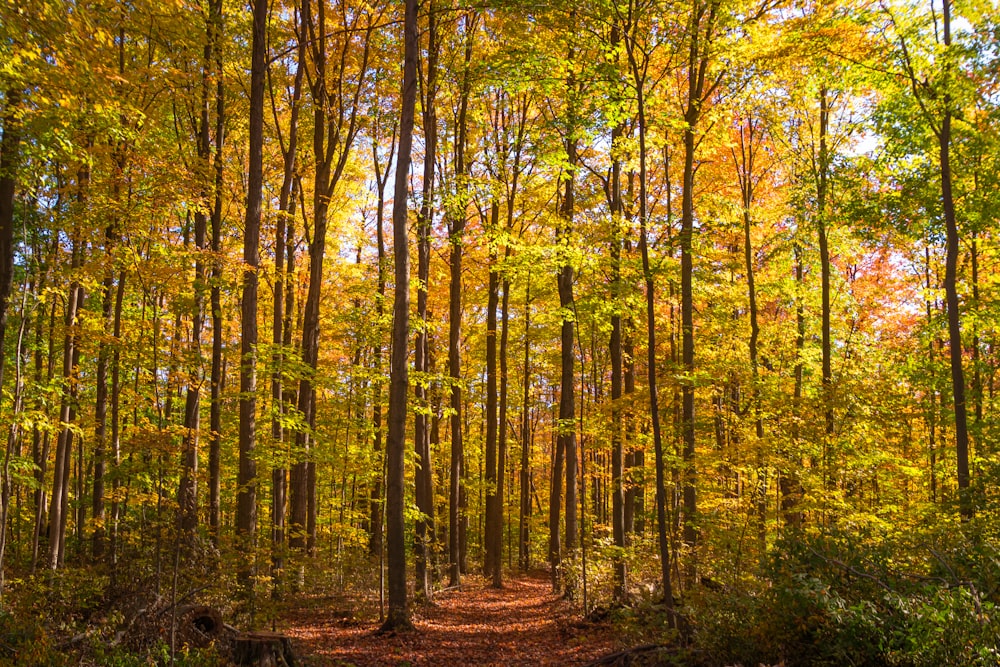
(522, 624)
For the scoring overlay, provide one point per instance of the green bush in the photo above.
(832, 601)
(24, 641)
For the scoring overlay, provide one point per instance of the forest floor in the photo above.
(521, 624)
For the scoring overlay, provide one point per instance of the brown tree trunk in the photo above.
(491, 530)
(749, 144)
(654, 409)
(824, 258)
(456, 230)
(790, 486)
(67, 413)
(966, 507)
(566, 429)
(215, 409)
(618, 524)
(9, 158)
(375, 541)
(502, 438)
(283, 243)
(399, 617)
(701, 38)
(101, 406)
(524, 511)
(246, 511)
(423, 476)
(335, 125)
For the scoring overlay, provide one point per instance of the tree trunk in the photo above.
(282, 278)
(703, 16)
(492, 528)
(399, 616)
(502, 439)
(620, 592)
(9, 159)
(67, 414)
(654, 408)
(423, 476)
(749, 144)
(456, 229)
(966, 507)
(101, 406)
(246, 512)
(524, 511)
(790, 486)
(375, 542)
(824, 258)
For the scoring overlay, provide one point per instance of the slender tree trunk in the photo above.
(824, 258)
(654, 409)
(791, 488)
(746, 164)
(966, 507)
(40, 442)
(491, 531)
(375, 542)
(246, 512)
(101, 407)
(456, 230)
(502, 440)
(566, 428)
(67, 413)
(618, 524)
(524, 512)
(399, 616)
(215, 410)
(116, 386)
(9, 159)
(283, 244)
(555, 502)
(424, 480)
(932, 409)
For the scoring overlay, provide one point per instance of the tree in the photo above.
(423, 477)
(398, 617)
(246, 512)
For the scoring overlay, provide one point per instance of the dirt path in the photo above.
(522, 624)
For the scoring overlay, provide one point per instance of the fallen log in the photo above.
(198, 625)
(647, 655)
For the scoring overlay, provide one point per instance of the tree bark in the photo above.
(524, 511)
(654, 408)
(822, 169)
(9, 159)
(966, 508)
(423, 476)
(749, 143)
(399, 617)
(283, 244)
(703, 19)
(491, 534)
(456, 230)
(246, 512)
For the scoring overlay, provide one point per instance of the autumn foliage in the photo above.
(691, 305)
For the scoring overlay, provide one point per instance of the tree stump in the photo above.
(263, 649)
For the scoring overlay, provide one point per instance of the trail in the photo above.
(521, 624)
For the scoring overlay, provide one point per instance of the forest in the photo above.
(683, 313)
